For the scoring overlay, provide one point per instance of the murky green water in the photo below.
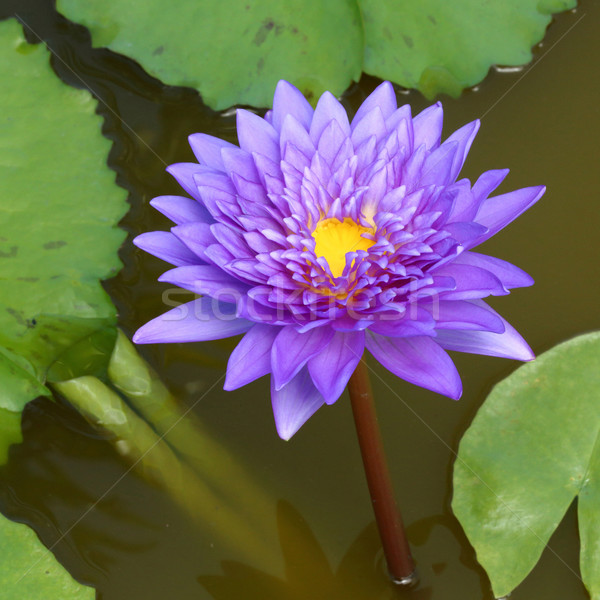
(130, 540)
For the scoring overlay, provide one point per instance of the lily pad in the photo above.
(29, 570)
(59, 209)
(235, 52)
(533, 447)
(439, 46)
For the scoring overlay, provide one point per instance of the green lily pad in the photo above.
(439, 46)
(10, 432)
(59, 209)
(533, 447)
(29, 570)
(235, 52)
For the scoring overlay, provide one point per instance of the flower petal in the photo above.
(196, 236)
(167, 247)
(184, 174)
(510, 276)
(416, 321)
(509, 344)
(370, 124)
(427, 126)
(465, 314)
(488, 182)
(196, 321)
(256, 135)
(383, 97)
(332, 367)
(292, 350)
(419, 360)
(207, 149)
(497, 212)
(294, 404)
(181, 209)
(328, 109)
(471, 282)
(290, 101)
(206, 279)
(437, 168)
(464, 138)
(251, 358)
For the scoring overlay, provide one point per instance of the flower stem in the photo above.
(389, 522)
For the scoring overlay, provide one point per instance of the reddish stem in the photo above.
(389, 522)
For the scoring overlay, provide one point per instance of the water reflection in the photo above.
(307, 571)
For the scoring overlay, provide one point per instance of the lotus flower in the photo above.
(319, 236)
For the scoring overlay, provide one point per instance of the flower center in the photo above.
(334, 239)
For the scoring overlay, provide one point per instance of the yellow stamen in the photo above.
(334, 239)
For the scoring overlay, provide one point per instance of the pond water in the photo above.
(130, 539)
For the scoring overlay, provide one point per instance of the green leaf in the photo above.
(29, 570)
(10, 432)
(59, 209)
(532, 448)
(439, 46)
(233, 52)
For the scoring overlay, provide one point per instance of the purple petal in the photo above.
(205, 279)
(510, 276)
(464, 206)
(328, 109)
(427, 126)
(466, 234)
(207, 149)
(196, 321)
(471, 282)
(290, 101)
(167, 247)
(196, 236)
(371, 124)
(184, 174)
(419, 360)
(231, 240)
(464, 138)
(509, 344)
(251, 358)
(256, 135)
(236, 160)
(294, 404)
(497, 212)
(332, 367)
(437, 168)
(383, 97)
(400, 121)
(292, 132)
(330, 142)
(181, 209)
(292, 350)
(463, 314)
(417, 321)
(488, 182)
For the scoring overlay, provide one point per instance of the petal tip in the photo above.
(139, 337)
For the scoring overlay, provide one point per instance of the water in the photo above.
(135, 542)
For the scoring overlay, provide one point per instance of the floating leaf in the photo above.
(29, 570)
(439, 46)
(59, 209)
(531, 450)
(235, 52)
(10, 432)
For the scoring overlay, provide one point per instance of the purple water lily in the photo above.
(318, 237)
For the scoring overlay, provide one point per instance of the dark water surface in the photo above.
(135, 542)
